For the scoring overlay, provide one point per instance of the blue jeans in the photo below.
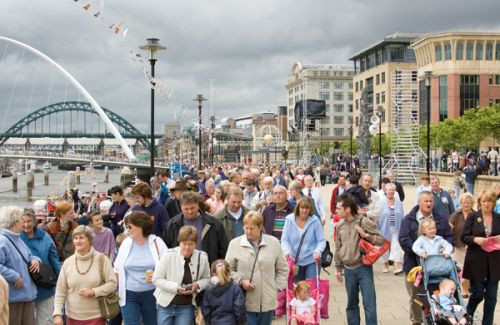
(263, 318)
(176, 314)
(478, 292)
(307, 272)
(139, 305)
(469, 187)
(356, 279)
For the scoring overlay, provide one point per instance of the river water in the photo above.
(58, 184)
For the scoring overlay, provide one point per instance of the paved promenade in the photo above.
(392, 299)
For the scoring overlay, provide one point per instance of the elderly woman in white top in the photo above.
(183, 272)
(389, 224)
(138, 257)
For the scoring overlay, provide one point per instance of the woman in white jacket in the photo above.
(182, 273)
(138, 256)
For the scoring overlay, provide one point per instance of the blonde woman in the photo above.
(80, 282)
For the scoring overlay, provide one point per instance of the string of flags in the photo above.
(121, 28)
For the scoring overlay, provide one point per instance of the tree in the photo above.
(386, 143)
(345, 146)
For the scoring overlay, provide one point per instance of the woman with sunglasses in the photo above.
(139, 255)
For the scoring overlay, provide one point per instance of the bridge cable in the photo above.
(13, 90)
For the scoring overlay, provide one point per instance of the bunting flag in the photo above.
(87, 6)
(97, 14)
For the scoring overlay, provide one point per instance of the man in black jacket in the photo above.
(211, 236)
(173, 204)
(408, 234)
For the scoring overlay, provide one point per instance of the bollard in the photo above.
(14, 181)
(106, 174)
(126, 176)
(77, 175)
(46, 177)
(30, 183)
(71, 180)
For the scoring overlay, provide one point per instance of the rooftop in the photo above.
(396, 38)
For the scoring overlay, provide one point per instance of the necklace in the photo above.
(90, 266)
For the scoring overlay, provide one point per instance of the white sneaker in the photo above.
(385, 270)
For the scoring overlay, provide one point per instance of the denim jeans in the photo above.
(360, 278)
(307, 272)
(478, 292)
(470, 188)
(263, 318)
(139, 305)
(176, 314)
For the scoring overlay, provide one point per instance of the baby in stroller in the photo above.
(428, 243)
(302, 306)
(446, 304)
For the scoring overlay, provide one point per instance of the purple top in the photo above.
(118, 210)
(104, 242)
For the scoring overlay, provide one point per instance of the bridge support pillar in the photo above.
(137, 147)
(106, 174)
(65, 146)
(71, 180)
(46, 177)
(30, 183)
(100, 148)
(27, 145)
(77, 175)
(126, 177)
(14, 181)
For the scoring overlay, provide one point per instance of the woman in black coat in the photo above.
(482, 268)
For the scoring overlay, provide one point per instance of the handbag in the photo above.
(46, 277)
(109, 305)
(369, 252)
(295, 266)
(326, 256)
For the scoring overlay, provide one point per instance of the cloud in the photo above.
(248, 47)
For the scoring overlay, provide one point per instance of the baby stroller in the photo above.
(436, 268)
(314, 294)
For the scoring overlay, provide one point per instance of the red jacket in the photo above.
(333, 200)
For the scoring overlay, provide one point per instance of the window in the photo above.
(324, 131)
(339, 108)
(296, 98)
(377, 98)
(315, 73)
(297, 89)
(469, 51)
(349, 118)
(469, 92)
(324, 121)
(439, 52)
(447, 51)
(382, 97)
(356, 103)
(357, 120)
(324, 85)
(497, 52)
(290, 91)
(327, 108)
(338, 96)
(356, 87)
(489, 51)
(349, 85)
(338, 120)
(382, 77)
(414, 95)
(324, 73)
(361, 85)
(443, 98)
(324, 95)
(339, 85)
(290, 101)
(290, 112)
(349, 96)
(377, 79)
(414, 75)
(497, 77)
(479, 51)
(490, 79)
(338, 132)
(350, 109)
(459, 51)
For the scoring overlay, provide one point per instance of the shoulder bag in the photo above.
(326, 256)
(369, 252)
(109, 305)
(295, 266)
(46, 277)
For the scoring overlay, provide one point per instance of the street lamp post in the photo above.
(200, 101)
(212, 120)
(153, 46)
(379, 114)
(428, 77)
(350, 160)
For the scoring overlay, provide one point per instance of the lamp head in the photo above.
(153, 46)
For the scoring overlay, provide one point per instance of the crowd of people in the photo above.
(218, 247)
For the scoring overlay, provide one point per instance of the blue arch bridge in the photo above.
(70, 126)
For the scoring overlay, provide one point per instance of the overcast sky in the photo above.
(247, 47)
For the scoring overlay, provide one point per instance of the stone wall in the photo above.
(482, 181)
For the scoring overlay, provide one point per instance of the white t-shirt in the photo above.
(236, 215)
(302, 307)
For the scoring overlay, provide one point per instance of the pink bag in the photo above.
(324, 295)
(492, 245)
(281, 310)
